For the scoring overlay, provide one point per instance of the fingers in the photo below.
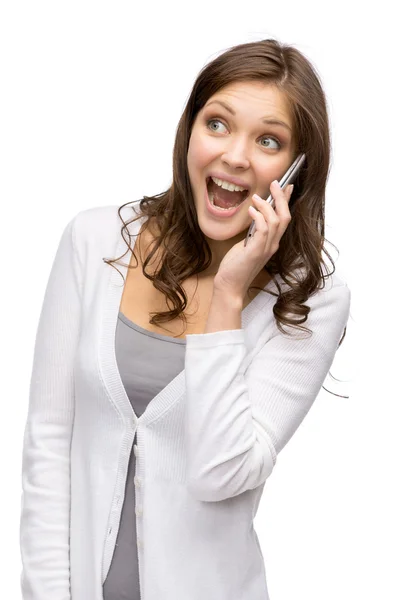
(278, 218)
(266, 209)
(278, 193)
(282, 198)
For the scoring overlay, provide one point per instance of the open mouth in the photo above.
(222, 198)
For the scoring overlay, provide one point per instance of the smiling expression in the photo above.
(239, 146)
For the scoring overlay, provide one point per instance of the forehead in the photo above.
(257, 95)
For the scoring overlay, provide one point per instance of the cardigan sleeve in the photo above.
(45, 501)
(238, 419)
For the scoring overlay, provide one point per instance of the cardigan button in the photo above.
(138, 511)
(136, 481)
(135, 450)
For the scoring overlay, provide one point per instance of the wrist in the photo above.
(225, 312)
(227, 298)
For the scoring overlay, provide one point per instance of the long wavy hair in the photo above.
(185, 251)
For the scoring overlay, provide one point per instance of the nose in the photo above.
(235, 156)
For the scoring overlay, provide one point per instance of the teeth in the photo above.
(228, 186)
(211, 196)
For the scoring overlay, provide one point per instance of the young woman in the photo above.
(158, 405)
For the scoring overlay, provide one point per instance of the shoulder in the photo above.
(330, 302)
(100, 226)
(96, 232)
(335, 299)
(333, 283)
(99, 220)
(329, 308)
(334, 289)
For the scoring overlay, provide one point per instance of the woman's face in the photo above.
(242, 146)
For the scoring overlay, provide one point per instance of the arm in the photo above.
(238, 419)
(45, 504)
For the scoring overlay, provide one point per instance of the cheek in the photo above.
(266, 173)
(200, 152)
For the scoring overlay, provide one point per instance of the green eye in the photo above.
(213, 121)
(269, 137)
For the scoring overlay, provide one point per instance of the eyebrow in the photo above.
(266, 120)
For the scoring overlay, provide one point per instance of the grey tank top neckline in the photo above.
(159, 336)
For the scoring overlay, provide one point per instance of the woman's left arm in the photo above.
(238, 419)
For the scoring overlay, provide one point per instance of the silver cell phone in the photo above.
(287, 179)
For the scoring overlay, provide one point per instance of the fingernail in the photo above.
(291, 186)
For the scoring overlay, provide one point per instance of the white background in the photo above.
(91, 97)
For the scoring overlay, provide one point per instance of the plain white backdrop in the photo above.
(91, 95)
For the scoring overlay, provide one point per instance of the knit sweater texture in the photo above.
(206, 443)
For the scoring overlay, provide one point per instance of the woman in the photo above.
(158, 407)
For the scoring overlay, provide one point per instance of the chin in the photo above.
(222, 232)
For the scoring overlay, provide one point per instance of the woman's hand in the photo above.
(242, 264)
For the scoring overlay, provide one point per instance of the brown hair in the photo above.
(185, 249)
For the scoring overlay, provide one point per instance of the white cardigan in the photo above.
(205, 444)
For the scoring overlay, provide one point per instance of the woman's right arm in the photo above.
(45, 503)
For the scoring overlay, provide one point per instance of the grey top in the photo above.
(147, 362)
